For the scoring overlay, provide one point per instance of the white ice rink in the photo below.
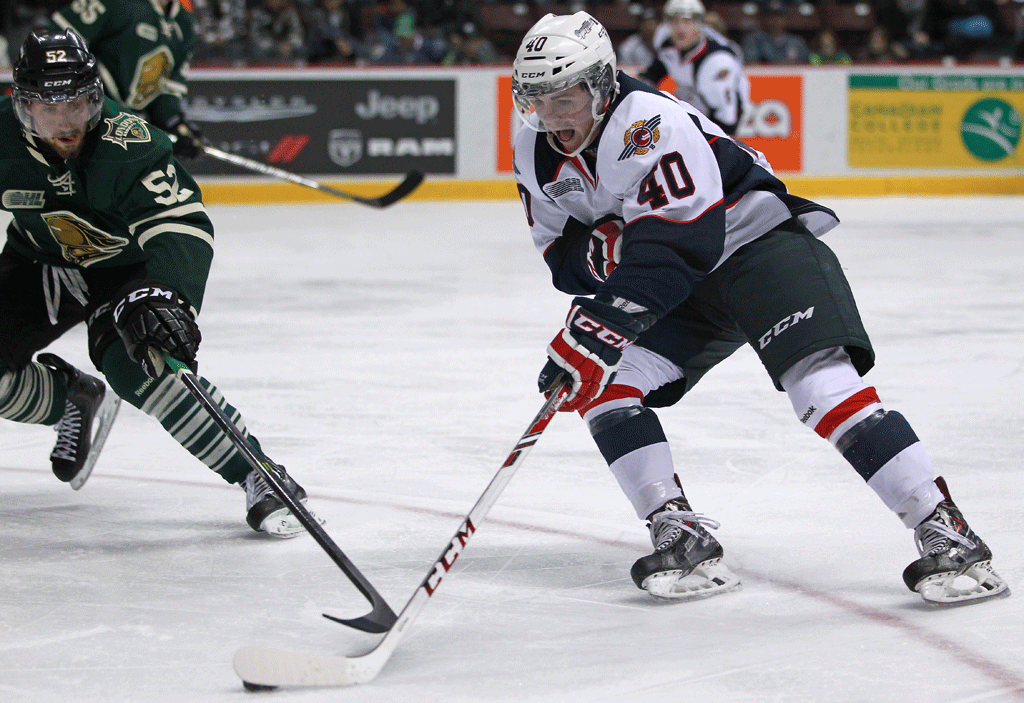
(388, 359)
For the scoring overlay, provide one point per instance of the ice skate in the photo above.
(687, 560)
(955, 567)
(266, 512)
(88, 416)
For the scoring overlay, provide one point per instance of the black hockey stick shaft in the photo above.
(408, 184)
(382, 617)
(560, 391)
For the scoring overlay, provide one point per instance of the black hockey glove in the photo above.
(589, 349)
(188, 138)
(151, 319)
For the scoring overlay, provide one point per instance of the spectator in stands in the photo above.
(825, 50)
(447, 16)
(329, 33)
(903, 21)
(221, 26)
(877, 48)
(772, 43)
(467, 47)
(394, 16)
(966, 27)
(276, 32)
(638, 48)
(1018, 32)
(5, 58)
(408, 46)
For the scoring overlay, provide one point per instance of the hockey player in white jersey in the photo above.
(681, 246)
(707, 70)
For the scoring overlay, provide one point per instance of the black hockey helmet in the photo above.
(56, 67)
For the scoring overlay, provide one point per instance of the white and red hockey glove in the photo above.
(604, 250)
(588, 349)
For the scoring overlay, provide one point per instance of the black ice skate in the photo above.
(266, 512)
(687, 560)
(955, 565)
(88, 416)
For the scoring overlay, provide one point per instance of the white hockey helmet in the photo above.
(684, 8)
(561, 51)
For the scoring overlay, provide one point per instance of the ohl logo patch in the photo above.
(641, 137)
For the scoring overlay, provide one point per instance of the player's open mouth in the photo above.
(565, 135)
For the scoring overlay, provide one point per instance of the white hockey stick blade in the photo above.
(707, 579)
(263, 668)
(977, 583)
(104, 421)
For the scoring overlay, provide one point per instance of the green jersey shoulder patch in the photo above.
(124, 128)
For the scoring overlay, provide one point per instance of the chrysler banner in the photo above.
(327, 127)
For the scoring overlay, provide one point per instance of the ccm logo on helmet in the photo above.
(612, 339)
(532, 75)
(56, 84)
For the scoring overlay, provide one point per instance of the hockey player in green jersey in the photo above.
(110, 230)
(142, 48)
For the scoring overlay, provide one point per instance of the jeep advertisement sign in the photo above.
(334, 127)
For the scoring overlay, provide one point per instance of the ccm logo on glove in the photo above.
(152, 319)
(141, 294)
(597, 330)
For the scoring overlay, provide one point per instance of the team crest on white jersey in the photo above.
(64, 184)
(126, 128)
(82, 244)
(641, 137)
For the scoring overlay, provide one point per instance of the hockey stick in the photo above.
(262, 668)
(382, 617)
(408, 184)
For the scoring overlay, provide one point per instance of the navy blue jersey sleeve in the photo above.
(567, 259)
(663, 260)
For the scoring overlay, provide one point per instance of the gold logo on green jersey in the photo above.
(82, 243)
(126, 128)
(150, 73)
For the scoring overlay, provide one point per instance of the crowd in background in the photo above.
(452, 32)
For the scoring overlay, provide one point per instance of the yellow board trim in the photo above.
(445, 190)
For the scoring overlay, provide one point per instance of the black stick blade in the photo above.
(375, 622)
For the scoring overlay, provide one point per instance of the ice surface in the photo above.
(388, 358)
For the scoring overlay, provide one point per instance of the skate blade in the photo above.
(104, 421)
(976, 583)
(283, 525)
(708, 579)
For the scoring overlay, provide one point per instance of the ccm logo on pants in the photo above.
(784, 324)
